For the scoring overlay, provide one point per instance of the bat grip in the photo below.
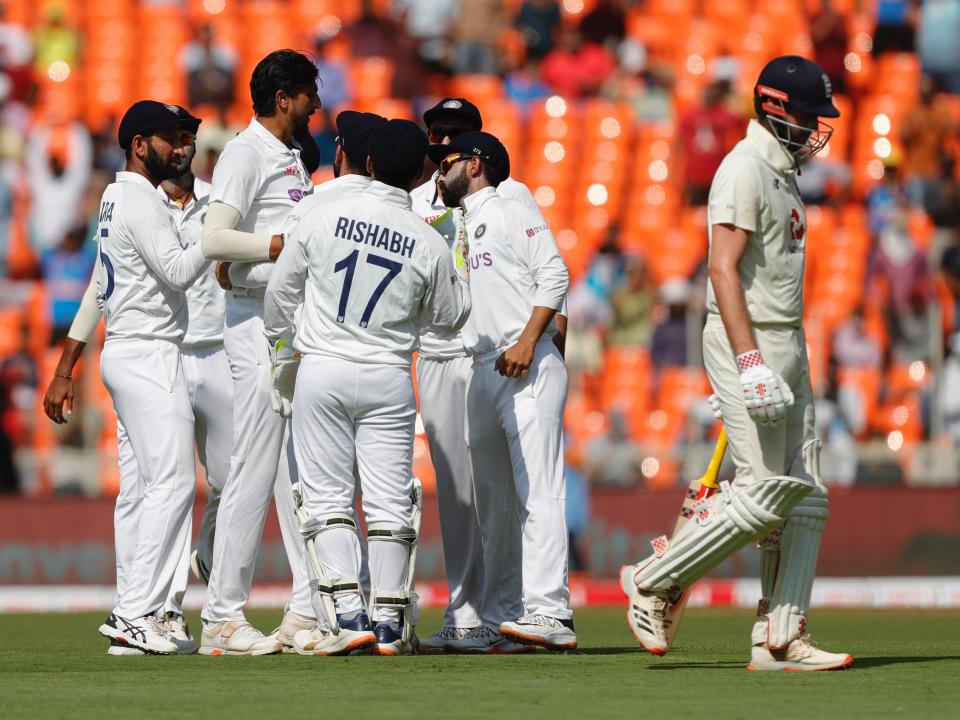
(709, 478)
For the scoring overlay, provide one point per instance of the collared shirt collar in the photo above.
(134, 177)
(473, 202)
(269, 138)
(352, 180)
(201, 191)
(770, 148)
(389, 194)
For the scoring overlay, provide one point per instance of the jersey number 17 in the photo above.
(349, 264)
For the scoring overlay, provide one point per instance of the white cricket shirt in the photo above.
(206, 300)
(261, 178)
(514, 266)
(369, 273)
(755, 189)
(144, 269)
(428, 205)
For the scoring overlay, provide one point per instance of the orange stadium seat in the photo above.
(868, 382)
(371, 78)
(898, 74)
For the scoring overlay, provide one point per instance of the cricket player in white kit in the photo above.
(443, 370)
(369, 273)
(144, 271)
(518, 385)
(257, 181)
(207, 375)
(755, 354)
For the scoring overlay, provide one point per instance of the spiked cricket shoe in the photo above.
(236, 638)
(144, 633)
(543, 630)
(801, 655)
(648, 615)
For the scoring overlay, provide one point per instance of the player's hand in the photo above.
(516, 361)
(283, 371)
(223, 275)
(58, 400)
(714, 403)
(765, 394)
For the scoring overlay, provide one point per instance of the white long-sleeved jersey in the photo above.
(449, 222)
(514, 266)
(144, 269)
(206, 300)
(369, 273)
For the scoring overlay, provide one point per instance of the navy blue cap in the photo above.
(461, 107)
(484, 145)
(353, 133)
(398, 148)
(800, 84)
(146, 116)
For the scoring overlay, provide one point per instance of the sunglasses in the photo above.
(448, 162)
(438, 132)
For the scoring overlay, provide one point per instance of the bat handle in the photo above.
(709, 478)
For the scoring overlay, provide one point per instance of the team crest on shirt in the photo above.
(296, 194)
(797, 231)
(480, 231)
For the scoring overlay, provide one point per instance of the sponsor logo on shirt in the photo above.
(296, 194)
(291, 170)
(478, 260)
(534, 230)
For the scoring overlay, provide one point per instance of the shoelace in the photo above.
(542, 620)
(482, 633)
(158, 626)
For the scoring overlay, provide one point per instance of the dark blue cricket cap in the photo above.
(147, 116)
(459, 107)
(484, 145)
(800, 84)
(354, 130)
(398, 148)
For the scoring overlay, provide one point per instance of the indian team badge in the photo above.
(173, 108)
(481, 231)
(453, 105)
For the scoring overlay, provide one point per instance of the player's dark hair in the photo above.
(396, 181)
(286, 70)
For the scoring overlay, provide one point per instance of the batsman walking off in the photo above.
(755, 355)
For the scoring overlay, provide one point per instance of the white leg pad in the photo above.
(325, 589)
(731, 521)
(800, 546)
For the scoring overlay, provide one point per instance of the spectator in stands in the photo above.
(578, 505)
(943, 200)
(605, 24)
(885, 199)
(910, 336)
(645, 88)
(428, 23)
(950, 267)
(613, 459)
(705, 135)
(538, 21)
(18, 383)
(59, 159)
(937, 43)
(825, 181)
(950, 391)
(335, 90)
(853, 346)
(55, 41)
(16, 52)
(632, 305)
(107, 155)
(898, 267)
(588, 320)
(372, 35)
(66, 272)
(828, 30)
(576, 69)
(725, 67)
(894, 31)
(924, 132)
(524, 85)
(210, 68)
(668, 347)
(476, 36)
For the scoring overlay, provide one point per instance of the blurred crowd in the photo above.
(884, 203)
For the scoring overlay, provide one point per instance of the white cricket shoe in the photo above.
(484, 641)
(322, 644)
(144, 633)
(236, 638)
(122, 649)
(292, 624)
(543, 630)
(648, 615)
(801, 655)
(180, 633)
(444, 639)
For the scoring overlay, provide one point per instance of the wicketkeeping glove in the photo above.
(283, 371)
(766, 394)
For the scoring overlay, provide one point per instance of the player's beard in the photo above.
(190, 152)
(159, 169)
(453, 191)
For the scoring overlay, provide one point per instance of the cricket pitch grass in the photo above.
(907, 666)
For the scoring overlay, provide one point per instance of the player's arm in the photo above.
(159, 246)
(729, 244)
(537, 248)
(285, 289)
(58, 400)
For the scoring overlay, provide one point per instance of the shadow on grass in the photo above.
(610, 651)
(866, 662)
(699, 666)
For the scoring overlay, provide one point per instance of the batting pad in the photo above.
(729, 521)
(799, 548)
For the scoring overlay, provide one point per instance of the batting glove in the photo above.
(283, 371)
(714, 402)
(766, 394)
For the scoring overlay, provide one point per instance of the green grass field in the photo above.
(907, 666)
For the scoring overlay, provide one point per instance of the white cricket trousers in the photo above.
(353, 414)
(146, 381)
(259, 463)
(207, 372)
(515, 435)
